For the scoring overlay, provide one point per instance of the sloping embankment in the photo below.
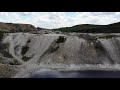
(63, 52)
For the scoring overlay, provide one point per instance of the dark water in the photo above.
(77, 74)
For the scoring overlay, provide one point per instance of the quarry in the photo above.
(25, 53)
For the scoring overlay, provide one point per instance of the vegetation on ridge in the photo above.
(61, 39)
(89, 28)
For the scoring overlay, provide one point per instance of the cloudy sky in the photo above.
(60, 19)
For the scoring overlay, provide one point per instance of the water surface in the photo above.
(77, 74)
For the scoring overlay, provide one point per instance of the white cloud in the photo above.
(59, 19)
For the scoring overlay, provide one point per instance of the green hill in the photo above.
(89, 28)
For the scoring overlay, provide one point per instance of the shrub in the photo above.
(109, 36)
(25, 58)
(1, 59)
(61, 39)
(28, 41)
(6, 54)
(15, 62)
(24, 50)
(3, 46)
(1, 35)
(4, 50)
(53, 49)
(99, 46)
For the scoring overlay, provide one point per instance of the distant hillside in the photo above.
(78, 28)
(13, 27)
(84, 28)
(105, 29)
(89, 28)
(115, 24)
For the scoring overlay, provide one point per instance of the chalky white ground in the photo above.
(74, 54)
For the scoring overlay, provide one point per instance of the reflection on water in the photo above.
(77, 74)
